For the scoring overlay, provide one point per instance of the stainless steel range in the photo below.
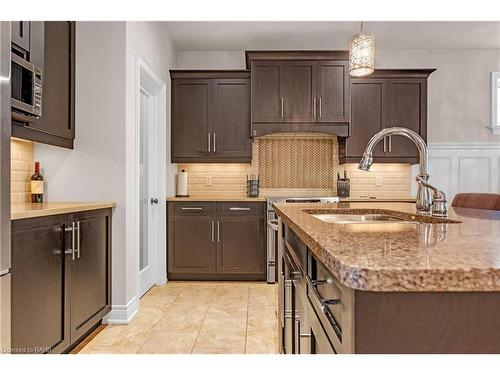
(272, 228)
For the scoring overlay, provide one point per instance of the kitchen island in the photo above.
(413, 284)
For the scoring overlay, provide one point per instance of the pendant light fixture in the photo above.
(361, 54)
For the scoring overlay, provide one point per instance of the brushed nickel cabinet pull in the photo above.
(209, 143)
(213, 231)
(192, 208)
(320, 107)
(385, 144)
(314, 107)
(72, 249)
(218, 232)
(390, 143)
(239, 209)
(214, 142)
(78, 239)
(282, 110)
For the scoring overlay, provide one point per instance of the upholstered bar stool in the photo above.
(482, 201)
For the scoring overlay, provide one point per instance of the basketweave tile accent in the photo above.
(22, 167)
(297, 163)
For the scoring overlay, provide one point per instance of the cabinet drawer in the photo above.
(240, 208)
(191, 208)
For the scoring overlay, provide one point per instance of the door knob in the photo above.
(154, 200)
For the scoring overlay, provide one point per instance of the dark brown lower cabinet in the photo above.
(216, 241)
(61, 279)
(240, 244)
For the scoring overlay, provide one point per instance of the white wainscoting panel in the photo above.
(465, 167)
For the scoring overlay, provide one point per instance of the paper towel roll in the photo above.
(182, 184)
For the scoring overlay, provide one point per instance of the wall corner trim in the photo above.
(122, 314)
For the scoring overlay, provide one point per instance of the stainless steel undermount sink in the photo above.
(359, 218)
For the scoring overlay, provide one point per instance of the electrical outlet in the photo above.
(208, 180)
(378, 181)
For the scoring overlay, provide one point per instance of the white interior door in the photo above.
(147, 193)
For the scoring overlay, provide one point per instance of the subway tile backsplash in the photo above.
(309, 156)
(22, 167)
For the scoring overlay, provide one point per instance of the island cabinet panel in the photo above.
(267, 91)
(90, 271)
(300, 91)
(40, 320)
(211, 117)
(385, 99)
(56, 125)
(216, 241)
(61, 279)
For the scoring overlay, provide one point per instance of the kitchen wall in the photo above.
(296, 165)
(459, 91)
(22, 167)
(100, 167)
(464, 156)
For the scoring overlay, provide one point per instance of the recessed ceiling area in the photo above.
(237, 36)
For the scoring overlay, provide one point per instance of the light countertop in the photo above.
(29, 210)
(423, 256)
(215, 199)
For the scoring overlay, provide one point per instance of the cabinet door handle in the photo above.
(385, 144)
(239, 209)
(192, 208)
(209, 143)
(320, 107)
(282, 110)
(72, 250)
(78, 239)
(390, 143)
(214, 142)
(213, 230)
(218, 232)
(314, 107)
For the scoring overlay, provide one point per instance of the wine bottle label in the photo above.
(36, 187)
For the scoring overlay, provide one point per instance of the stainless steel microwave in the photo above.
(26, 89)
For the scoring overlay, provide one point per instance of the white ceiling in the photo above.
(237, 36)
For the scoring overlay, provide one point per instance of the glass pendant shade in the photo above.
(361, 55)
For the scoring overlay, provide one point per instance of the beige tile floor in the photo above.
(197, 317)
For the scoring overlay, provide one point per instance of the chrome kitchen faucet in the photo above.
(425, 204)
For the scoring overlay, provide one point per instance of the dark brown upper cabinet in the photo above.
(299, 91)
(56, 125)
(385, 99)
(20, 31)
(211, 117)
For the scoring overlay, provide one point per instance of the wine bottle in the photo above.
(37, 185)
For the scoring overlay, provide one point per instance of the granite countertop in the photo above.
(375, 199)
(29, 210)
(215, 199)
(406, 257)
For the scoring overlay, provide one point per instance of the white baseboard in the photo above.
(122, 314)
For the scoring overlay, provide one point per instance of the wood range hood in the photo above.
(299, 91)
